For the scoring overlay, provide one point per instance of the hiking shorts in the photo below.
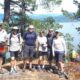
(14, 54)
(59, 56)
(28, 52)
(43, 55)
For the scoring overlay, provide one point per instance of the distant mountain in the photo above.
(58, 17)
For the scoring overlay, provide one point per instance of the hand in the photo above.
(36, 49)
(53, 54)
(65, 54)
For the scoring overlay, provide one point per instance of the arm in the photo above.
(53, 48)
(64, 45)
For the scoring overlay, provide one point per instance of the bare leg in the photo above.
(39, 62)
(24, 65)
(61, 66)
(1, 61)
(13, 64)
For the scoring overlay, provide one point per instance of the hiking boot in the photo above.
(50, 70)
(65, 75)
(34, 68)
(60, 75)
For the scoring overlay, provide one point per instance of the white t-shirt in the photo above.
(59, 44)
(42, 43)
(3, 35)
(14, 42)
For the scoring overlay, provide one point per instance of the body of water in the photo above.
(68, 25)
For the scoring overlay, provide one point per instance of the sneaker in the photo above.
(12, 70)
(15, 70)
(39, 68)
(43, 68)
(34, 68)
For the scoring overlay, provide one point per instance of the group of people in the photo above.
(48, 47)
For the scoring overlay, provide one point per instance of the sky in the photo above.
(66, 5)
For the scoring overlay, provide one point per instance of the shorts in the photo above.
(50, 55)
(14, 54)
(59, 56)
(43, 54)
(28, 52)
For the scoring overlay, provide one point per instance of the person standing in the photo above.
(50, 37)
(42, 48)
(29, 37)
(14, 44)
(59, 50)
(3, 38)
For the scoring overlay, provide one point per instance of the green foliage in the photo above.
(71, 16)
(78, 5)
(5, 26)
(50, 4)
(46, 24)
(78, 13)
(69, 40)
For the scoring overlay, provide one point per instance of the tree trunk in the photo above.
(6, 10)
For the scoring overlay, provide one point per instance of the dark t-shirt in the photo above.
(30, 38)
(49, 40)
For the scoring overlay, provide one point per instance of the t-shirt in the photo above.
(42, 43)
(49, 40)
(15, 44)
(74, 54)
(3, 35)
(30, 38)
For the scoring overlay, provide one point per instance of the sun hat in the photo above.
(15, 28)
(31, 27)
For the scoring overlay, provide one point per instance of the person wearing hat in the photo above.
(50, 37)
(29, 37)
(3, 38)
(14, 43)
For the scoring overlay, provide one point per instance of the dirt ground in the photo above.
(72, 69)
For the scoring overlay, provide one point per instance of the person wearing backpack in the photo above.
(14, 43)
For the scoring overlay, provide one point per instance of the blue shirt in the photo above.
(30, 38)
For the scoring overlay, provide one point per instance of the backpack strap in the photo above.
(10, 39)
